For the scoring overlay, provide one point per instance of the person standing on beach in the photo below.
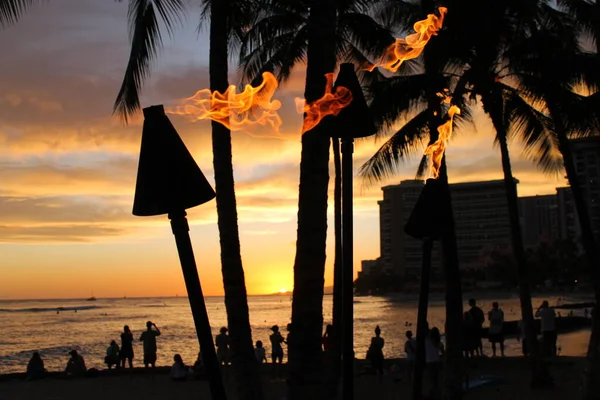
(477, 320)
(410, 348)
(259, 352)
(222, 343)
(276, 349)
(496, 335)
(375, 352)
(148, 337)
(126, 352)
(549, 336)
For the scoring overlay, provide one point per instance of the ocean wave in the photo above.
(47, 309)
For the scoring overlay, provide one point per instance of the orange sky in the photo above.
(68, 168)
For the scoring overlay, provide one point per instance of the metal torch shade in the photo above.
(429, 218)
(355, 120)
(168, 177)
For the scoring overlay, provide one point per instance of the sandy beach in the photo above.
(567, 372)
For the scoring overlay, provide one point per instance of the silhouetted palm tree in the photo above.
(12, 10)
(572, 115)
(321, 33)
(227, 19)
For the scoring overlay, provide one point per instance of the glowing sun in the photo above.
(283, 290)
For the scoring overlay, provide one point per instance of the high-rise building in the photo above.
(586, 154)
(538, 218)
(567, 221)
(481, 217)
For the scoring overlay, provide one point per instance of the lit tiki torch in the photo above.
(429, 221)
(168, 182)
(353, 121)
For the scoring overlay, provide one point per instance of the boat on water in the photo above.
(91, 299)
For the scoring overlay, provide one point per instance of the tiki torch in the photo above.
(354, 121)
(428, 221)
(168, 182)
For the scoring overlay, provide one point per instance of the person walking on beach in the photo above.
(549, 336)
(148, 337)
(112, 355)
(410, 348)
(477, 320)
(276, 349)
(375, 353)
(434, 353)
(259, 352)
(126, 352)
(35, 367)
(76, 365)
(222, 343)
(496, 335)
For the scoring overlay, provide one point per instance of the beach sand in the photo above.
(567, 372)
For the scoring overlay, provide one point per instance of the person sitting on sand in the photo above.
(496, 334)
(112, 355)
(276, 349)
(199, 371)
(375, 352)
(410, 348)
(76, 365)
(35, 367)
(477, 320)
(259, 352)
(148, 337)
(126, 352)
(222, 343)
(178, 370)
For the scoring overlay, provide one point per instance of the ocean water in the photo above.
(35, 325)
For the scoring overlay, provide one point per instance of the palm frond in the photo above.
(144, 25)
(12, 10)
(407, 140)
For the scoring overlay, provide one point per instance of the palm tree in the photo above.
(227, 19)
(12, 10)
(322, 33)
(571, 117)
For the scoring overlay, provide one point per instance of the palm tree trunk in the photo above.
(335, 359)
(305, 356)
(540, 376)
(592, 373)
(245, 367)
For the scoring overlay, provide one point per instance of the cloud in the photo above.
(58, 233)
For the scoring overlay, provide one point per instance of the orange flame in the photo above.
(413, 45)
(330, 104)
(436, 150)
(249, 110)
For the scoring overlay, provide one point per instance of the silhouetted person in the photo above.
(76, 365)
(477, 320)
(222, 342)
(148, 337)
(199, 371)
(434, 351)
(376, 352)
(523, 338)
(288, 336)
(410, 348)
(259, 352)
(112, 355)
(549, 336)
(178, 370)
(276, 349)
(126, 352)
(496, 334)
(35, 367)
(469, 336)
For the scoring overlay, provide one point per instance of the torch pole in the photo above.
(348, 271)
(180, 228)
(422, 328)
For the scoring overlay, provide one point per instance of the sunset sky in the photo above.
(68, 168)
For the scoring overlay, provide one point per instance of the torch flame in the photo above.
(436, 150)
(413, 45)
(247, 111)
(330, 104)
